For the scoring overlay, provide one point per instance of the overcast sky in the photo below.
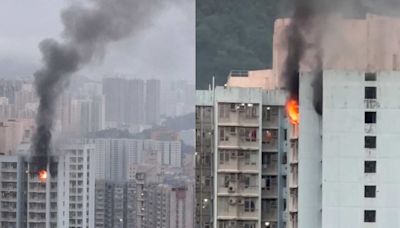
(166, 49)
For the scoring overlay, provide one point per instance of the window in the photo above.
(370, 92)
(246, 181)
(249, 205)
(370, 76)
(370, 167)
(369, 216)
(223, 157)
(284, 159)
(249, 225)
(267, 114)
(370, 191)
(370, 117)
(247, 158)
(370, 142)
(285, 134)
(251, 111)
(222, 135)
(223, 110)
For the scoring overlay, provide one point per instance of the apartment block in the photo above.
(64, 198)
(12, 200)
(120, 204)
(249, 170)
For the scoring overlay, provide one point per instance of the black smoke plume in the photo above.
(303, 22)
(87, 32)
(311, 17)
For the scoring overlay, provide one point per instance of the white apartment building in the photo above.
(347, 156)
(65, 199)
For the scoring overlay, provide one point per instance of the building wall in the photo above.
(204, 161)
(12, 199)
(344, 154)
(248, 184)
(309, 158)
(153, 97)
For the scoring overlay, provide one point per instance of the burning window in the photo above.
(370, 167)
(370, 76)
(370, 93)
(370, 117)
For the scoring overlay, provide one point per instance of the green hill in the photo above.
(233, 34)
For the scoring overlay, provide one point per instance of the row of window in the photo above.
(370, 142)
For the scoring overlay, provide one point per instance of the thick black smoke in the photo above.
(303, 22)
(311, 17)
(87, 32)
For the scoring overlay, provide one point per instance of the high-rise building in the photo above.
(241, 144)
(153, 96)
(65, 198)
(12, 197)
(113, 90)
(124, 100)
(117, 159)
(80, 116)
(120, 204)
(135, 102)
(338, 135)
(177, 98)
(92, 117)
(103, 204)
(168, 206)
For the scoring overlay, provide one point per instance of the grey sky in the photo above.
(164, 50)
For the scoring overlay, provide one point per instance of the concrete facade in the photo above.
(249, 176)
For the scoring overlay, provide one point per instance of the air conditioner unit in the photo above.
(232, 201)
(231, 188)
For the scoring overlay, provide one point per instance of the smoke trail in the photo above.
(309, 24)
(304, 22)
(87, 32)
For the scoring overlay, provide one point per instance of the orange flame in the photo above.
(292, 109)
(42, 175)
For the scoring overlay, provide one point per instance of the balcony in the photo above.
(293, 200)
(270, 169)
(237, 211)
(238, 114)
(238, 118)
(239, 161)
(270, 140)
(293, 177)
(236, 142)
(270, 214)
(270, 193)
(242, 184)
(270, 117)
